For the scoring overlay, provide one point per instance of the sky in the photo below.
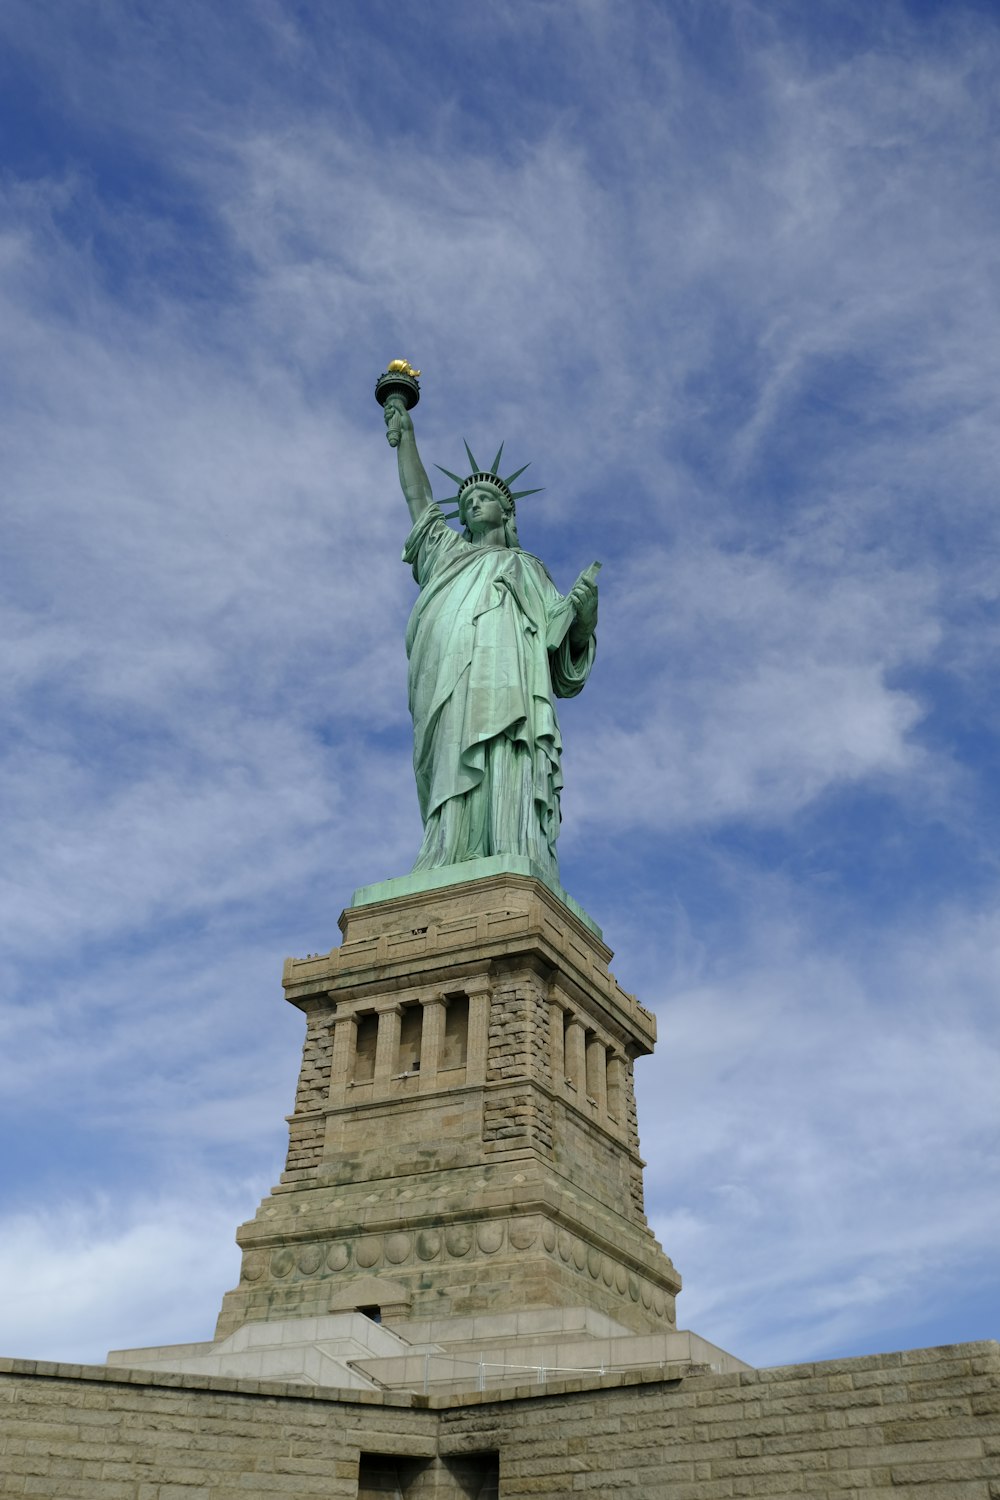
(726, 273)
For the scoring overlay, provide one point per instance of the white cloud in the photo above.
(743, 318)
(97, 1275)
(835, 1114)
(748, 685)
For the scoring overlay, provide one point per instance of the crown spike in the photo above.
(482, 476)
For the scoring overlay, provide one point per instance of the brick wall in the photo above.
(921, 1425)
(80, 1433)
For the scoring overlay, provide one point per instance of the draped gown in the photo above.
(489, 650)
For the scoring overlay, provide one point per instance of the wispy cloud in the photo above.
(740, 309)
(849, 1120)
(112, 1275)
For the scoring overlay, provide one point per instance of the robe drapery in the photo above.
(488, 647)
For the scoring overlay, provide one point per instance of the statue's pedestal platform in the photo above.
(420, 881)
(462, 1203)
(453, 1355)
(464, 1138)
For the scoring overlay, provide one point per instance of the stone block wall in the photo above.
(919, 1425)
(86, 1433)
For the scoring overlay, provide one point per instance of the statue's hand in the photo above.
(397, 421)
(583, 596)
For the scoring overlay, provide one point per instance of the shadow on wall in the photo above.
(474, 1476)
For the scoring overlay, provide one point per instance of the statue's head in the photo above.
(492, 491)
(485, 501)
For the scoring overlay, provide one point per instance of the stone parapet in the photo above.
(924, 1424)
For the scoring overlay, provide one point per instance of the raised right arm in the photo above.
(413, 479)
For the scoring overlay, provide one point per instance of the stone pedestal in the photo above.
(464, 1136)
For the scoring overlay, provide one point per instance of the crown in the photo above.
(490, 476)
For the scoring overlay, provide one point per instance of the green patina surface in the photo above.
(491, 644)
(470, 869)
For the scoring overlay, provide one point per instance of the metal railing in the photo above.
(540, 1374)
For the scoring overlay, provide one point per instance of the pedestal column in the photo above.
(478, 991)
(597, 1064)
(617, 1078)
(576, 1058)
(387, 1046)
(345, 1038)
(431, 1040)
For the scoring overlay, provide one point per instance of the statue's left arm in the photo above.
(583, 596)
(574, 646)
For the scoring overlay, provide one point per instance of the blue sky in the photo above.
(726, 273)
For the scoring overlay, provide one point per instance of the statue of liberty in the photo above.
(491, 643)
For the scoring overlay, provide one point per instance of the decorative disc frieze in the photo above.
(338, 1257)
(282, 1262)
(397, 1248)
(458, 1239)
(368, 1252)
(310, 1258)
(254, 1265)
(490, 1236)
(522, 1233)
(482, 1239)
(428, 1244)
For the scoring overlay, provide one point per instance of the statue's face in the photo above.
(483, 509)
